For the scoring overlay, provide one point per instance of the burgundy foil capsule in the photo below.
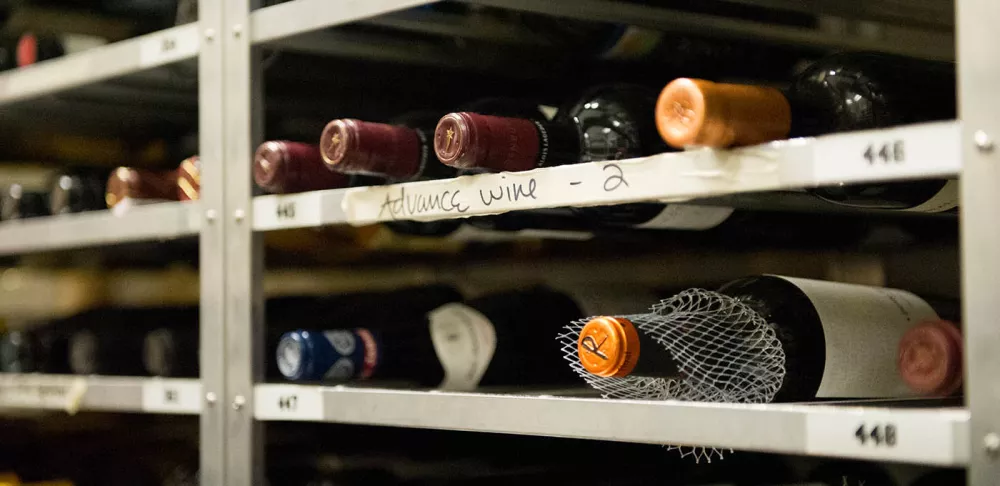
(281, 167)
(930, 358)
(189, 179)
(140, 184)
(473, 141)
(359, 147)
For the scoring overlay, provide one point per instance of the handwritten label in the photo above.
(171, 396)
(924, 150)
(288, 402)
(65, 393)
(899, 435)
(167, 47)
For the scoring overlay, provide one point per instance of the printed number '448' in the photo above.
(885, 152)
(878, 435)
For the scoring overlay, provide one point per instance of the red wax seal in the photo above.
(27, 50)
(284, 167)
(189, 179)
(473, 141)
(359, 147)
(126, 182)
(930, 358)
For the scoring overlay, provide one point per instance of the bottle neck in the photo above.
(559, 143)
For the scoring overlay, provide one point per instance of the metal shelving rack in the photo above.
(230, 396)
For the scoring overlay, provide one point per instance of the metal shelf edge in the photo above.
(301, 16)
(117, 59)
(925, 436)
(925, 151)
(71, 393)
(148, 222)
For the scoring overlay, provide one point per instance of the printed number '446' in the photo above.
(885, 152)
(878, 435)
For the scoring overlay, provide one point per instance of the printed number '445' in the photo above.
(885, 152)
(878, 435)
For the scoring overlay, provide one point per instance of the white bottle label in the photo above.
(688, 217)
(945, 200)
(862, 326)
(464, 341)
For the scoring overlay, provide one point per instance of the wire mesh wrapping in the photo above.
(725, 352)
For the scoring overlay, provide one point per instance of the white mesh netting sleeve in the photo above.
(725, 352)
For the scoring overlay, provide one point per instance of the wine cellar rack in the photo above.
(231, 397)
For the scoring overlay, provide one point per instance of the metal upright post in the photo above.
(212, 244)
(979, 103)
(243, 122)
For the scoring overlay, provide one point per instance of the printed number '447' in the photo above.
(885, 152)
(878, 435)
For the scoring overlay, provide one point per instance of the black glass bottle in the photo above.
(17, 202)
(77, 191)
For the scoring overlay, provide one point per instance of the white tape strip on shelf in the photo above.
(59, 393)
(288, 402)
(891, 435)
(171, 396)
(930, 149)
(677, 176)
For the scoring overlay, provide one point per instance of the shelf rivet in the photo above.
(210, 215)
(209, 34)
(991, 443)
(239, 214)
(237, 30)
(983, 141)
(211, 398)
(238, 402)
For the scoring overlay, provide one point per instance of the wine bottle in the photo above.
(77, 191)
(171, 351)
(493, 340)
(34, 48)
(839, 340)
(402, 150)
(282, 167)
(111, 341)
(8, 49)
(843, 92)
(17, 202)
(128, 187)
(608, 123)
(189, 179)
(930, 358)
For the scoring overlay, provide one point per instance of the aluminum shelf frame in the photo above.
(101, 63)
(160, 221)
(936, 436)
(929, 150)
(73, 393)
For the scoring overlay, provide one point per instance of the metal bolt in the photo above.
(983, 141)
(239, 214)
(237, 30)
(209, 34)
(991, 443)
(210, 215)
(238, 402)
(211, 398)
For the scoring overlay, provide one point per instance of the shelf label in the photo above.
(65, 393)
(896, 435)
(288, 402)
(288, 211)
(167, 47)
(171, 396)
(925, 150)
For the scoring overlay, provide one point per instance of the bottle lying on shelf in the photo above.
(189, 179)
(775, 338)
(76, 191)
(930, 358)
(19, 202)
(403, 149)
(111, 341)
(172, 351)
(39, 349)
(493, 340)
(608, 123)
(131, 187)
(843, 92)
(283, 167)
(33, 47)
